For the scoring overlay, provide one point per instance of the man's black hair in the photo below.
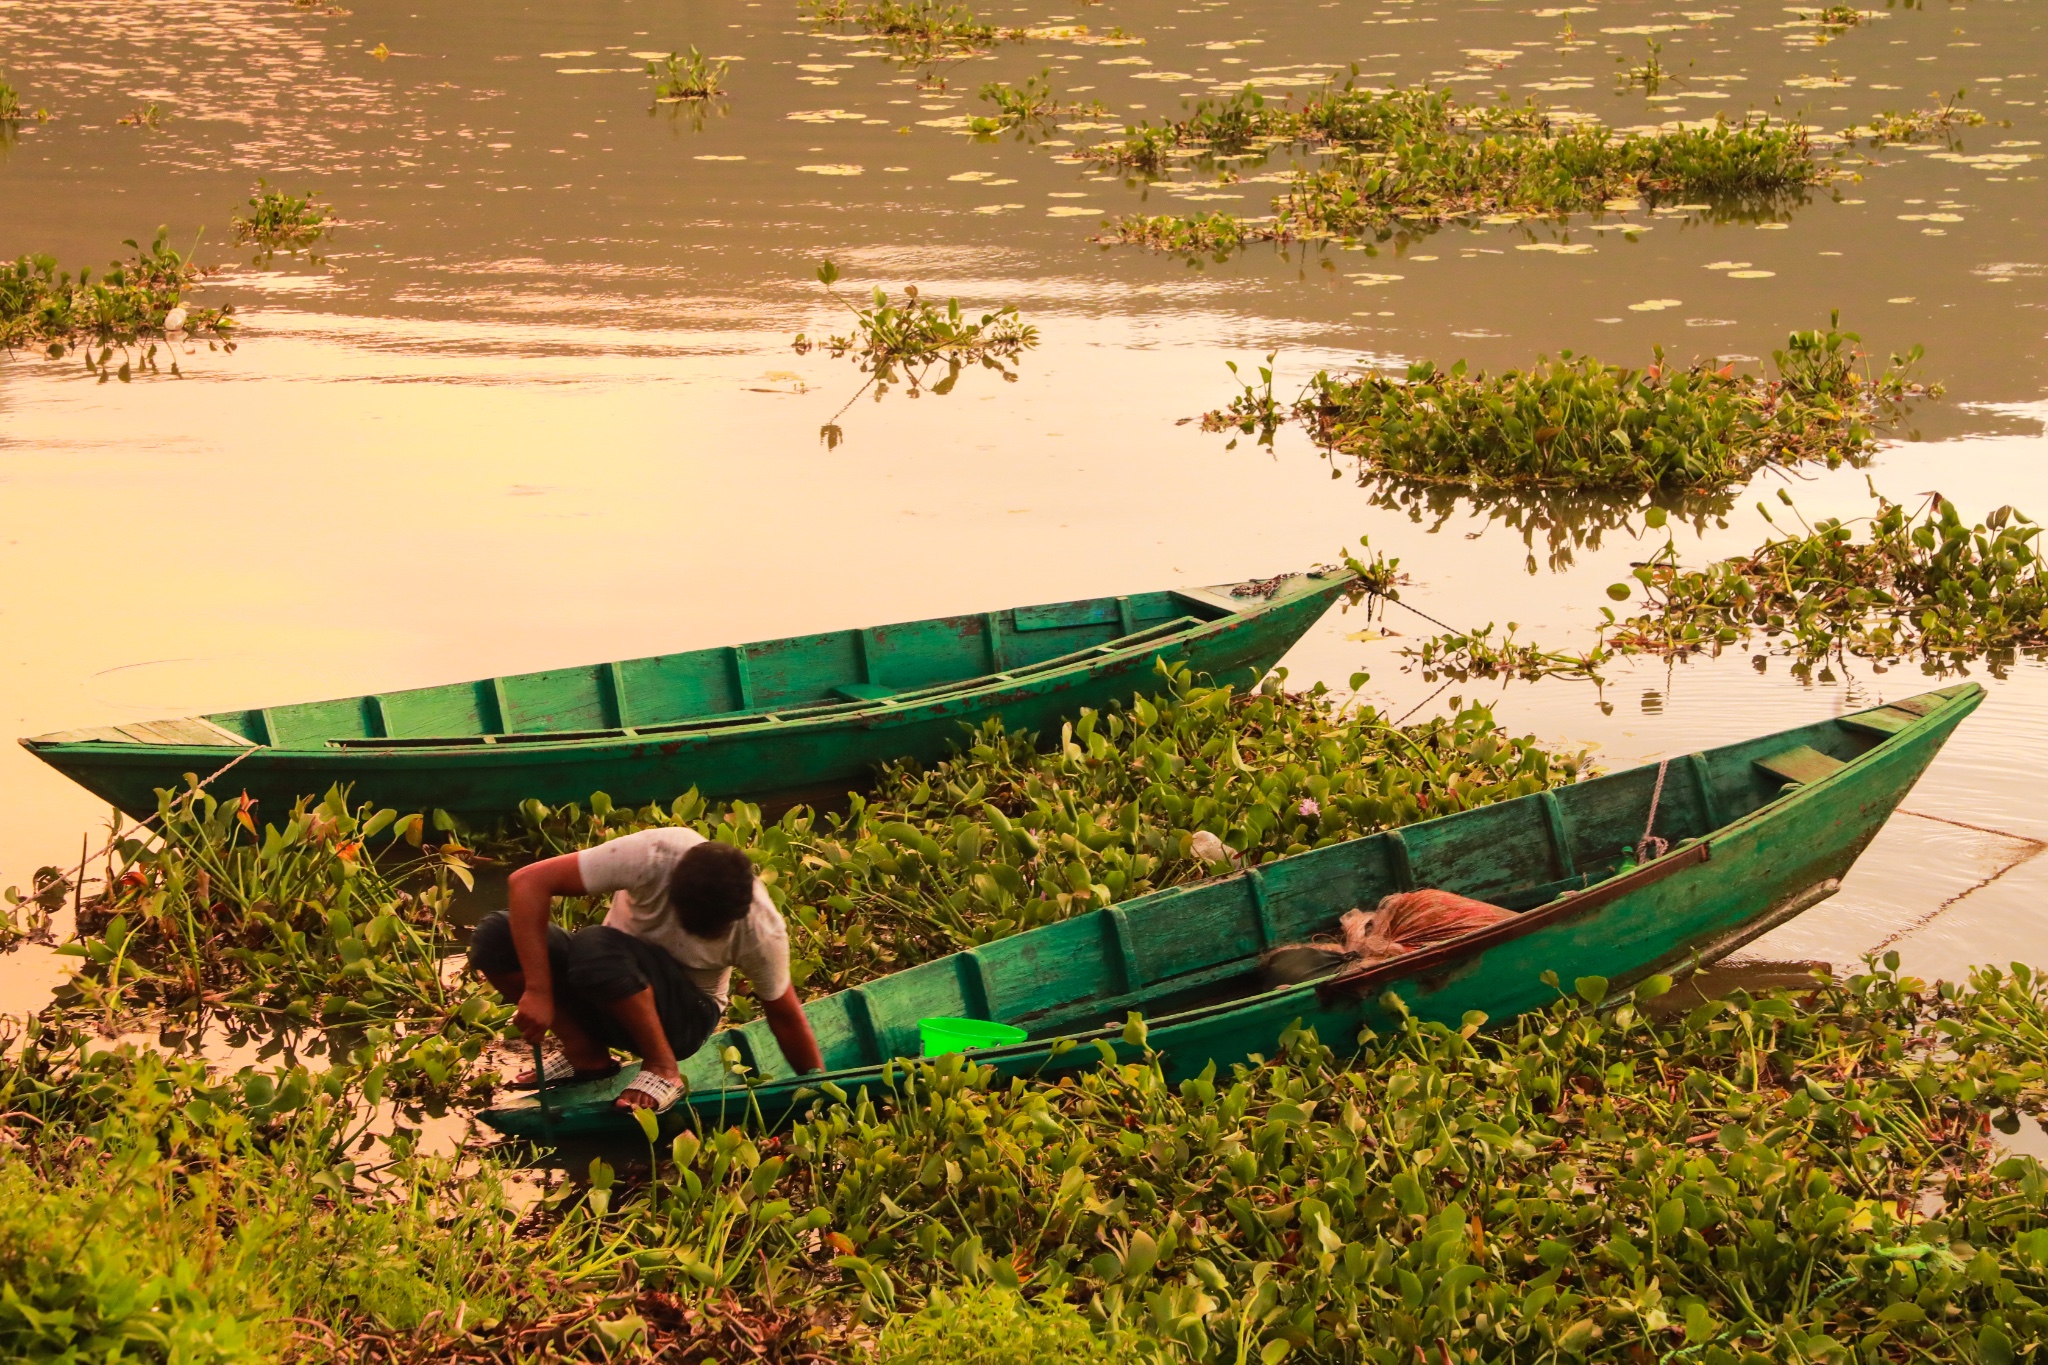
(711, 889)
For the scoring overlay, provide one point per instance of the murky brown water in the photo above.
(539, 404)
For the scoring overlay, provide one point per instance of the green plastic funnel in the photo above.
(944, 1036)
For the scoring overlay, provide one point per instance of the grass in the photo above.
(275, 220)
(910, 338)
(1581, 423)
(136, 299)
(1416, 156)
(691, 77)
(1913, 583)
(1798, 1176)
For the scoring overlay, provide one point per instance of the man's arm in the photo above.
(792, 1030)
(531, 889)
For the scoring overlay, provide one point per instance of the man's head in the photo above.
(711, 889)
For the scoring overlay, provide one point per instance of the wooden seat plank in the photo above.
(1801, 764)
(1885, 720)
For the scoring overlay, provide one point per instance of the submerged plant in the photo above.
(1578, 422)
(275, 220)
(691, 77)
(1915, 583)
(920, 334)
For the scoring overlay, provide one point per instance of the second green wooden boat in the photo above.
(1758, 831)
(797, 718)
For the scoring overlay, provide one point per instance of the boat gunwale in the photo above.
(1427, 962)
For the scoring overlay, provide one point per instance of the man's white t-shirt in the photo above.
(634, 870)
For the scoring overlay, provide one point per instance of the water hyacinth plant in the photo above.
(691, 77)
(10, 100)
(918, 30)
(1912, 125)
(1031, 102)
(1417, 157)
(920, 334)
(138, 299)
(1801, 1176)
(1578, 422)
(275, 220)
(1913, 583)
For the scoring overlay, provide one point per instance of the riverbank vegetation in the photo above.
(1801, 1176)
(1416, 157)
(1580, 423)
(139, 298)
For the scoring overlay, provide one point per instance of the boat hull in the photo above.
(764, 758)
(1675, 912)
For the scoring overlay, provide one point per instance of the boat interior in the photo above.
(801, 675)
(1198, 946)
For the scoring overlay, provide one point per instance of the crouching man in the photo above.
(654, 978)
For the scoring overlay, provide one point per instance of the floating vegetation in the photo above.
(690, 77)
(1007, 836)
(918, 30)
(1416, 157)
(135, 300)
(920, 334)
(148, 116)
(1651, 73)
(1577, 422)
(1559, 522)
(277, 221)
(1463, 655)
(1892, 126)
(10, 101)
(1795, 1176)
(1842, 16)
(1032, 102)
(1915, 583)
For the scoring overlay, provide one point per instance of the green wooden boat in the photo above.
(789, 719)
(1758, 832)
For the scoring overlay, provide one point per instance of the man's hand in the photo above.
(536, 1015)
(792, 1030)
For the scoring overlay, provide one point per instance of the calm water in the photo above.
(538, 403)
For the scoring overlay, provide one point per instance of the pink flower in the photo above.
(1309, 808)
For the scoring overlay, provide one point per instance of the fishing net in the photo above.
(1406, 922)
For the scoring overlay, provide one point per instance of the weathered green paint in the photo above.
(1747, 852)
(778, 719)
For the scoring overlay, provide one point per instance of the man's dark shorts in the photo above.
(596, 966)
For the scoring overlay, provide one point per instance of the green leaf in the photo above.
(1591, 989)
(1620, 592)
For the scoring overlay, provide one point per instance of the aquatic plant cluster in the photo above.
(1414, 157)
(276, 220)
(919, 333)
(1915, 583)
(135, 299)
(687, 77)
(1793, 1177)
(1578, 422)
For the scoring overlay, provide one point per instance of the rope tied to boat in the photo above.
(1650, 840)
